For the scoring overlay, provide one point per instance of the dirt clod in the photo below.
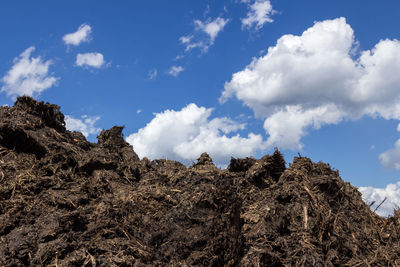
(67, 202)
(204, 159)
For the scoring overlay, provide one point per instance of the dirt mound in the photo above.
(67, 202)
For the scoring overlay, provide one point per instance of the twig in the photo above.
(380, 204)
(305, 217)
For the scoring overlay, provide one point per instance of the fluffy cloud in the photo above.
(260, 12)
(287, 126)
(95, 60)
(185, 134)
(85, 124)
(211, 28)
(205, 34)
(78, 37)
(28, 76)
(310, 80)
(377, 195)
(391, 157)
(175, 70)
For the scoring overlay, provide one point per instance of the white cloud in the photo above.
(311, 80)
(211, 28)
(392, 194)
(153, 74)
(205, 34)
(186, 39)
(260, 12)
(85, 124)
(78, 37)
(287, 126)
(95, 60)
(185, 134)
(175, 70)
(391, 157)
(28, 76)
(138, 111)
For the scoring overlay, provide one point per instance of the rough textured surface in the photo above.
(68, 202)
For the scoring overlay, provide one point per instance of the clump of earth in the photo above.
(65, 201)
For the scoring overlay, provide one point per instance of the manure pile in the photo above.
(67, 202)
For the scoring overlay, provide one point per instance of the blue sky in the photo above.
(234, 78)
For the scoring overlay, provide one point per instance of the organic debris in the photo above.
(67, 202)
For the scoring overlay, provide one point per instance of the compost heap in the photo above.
(67, 202)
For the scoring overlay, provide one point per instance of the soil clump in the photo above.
(65, 201)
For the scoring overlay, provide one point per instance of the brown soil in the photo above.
(67, 202)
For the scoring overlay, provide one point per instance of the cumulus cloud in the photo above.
(287, 126)
(185, 134)
(377, 195)
(175, 70)
(313, 79)
(391, 157)
(205, 34)
(28, 76)
(78, 37)
(260, 12)
(85, 124)
(95, 60)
